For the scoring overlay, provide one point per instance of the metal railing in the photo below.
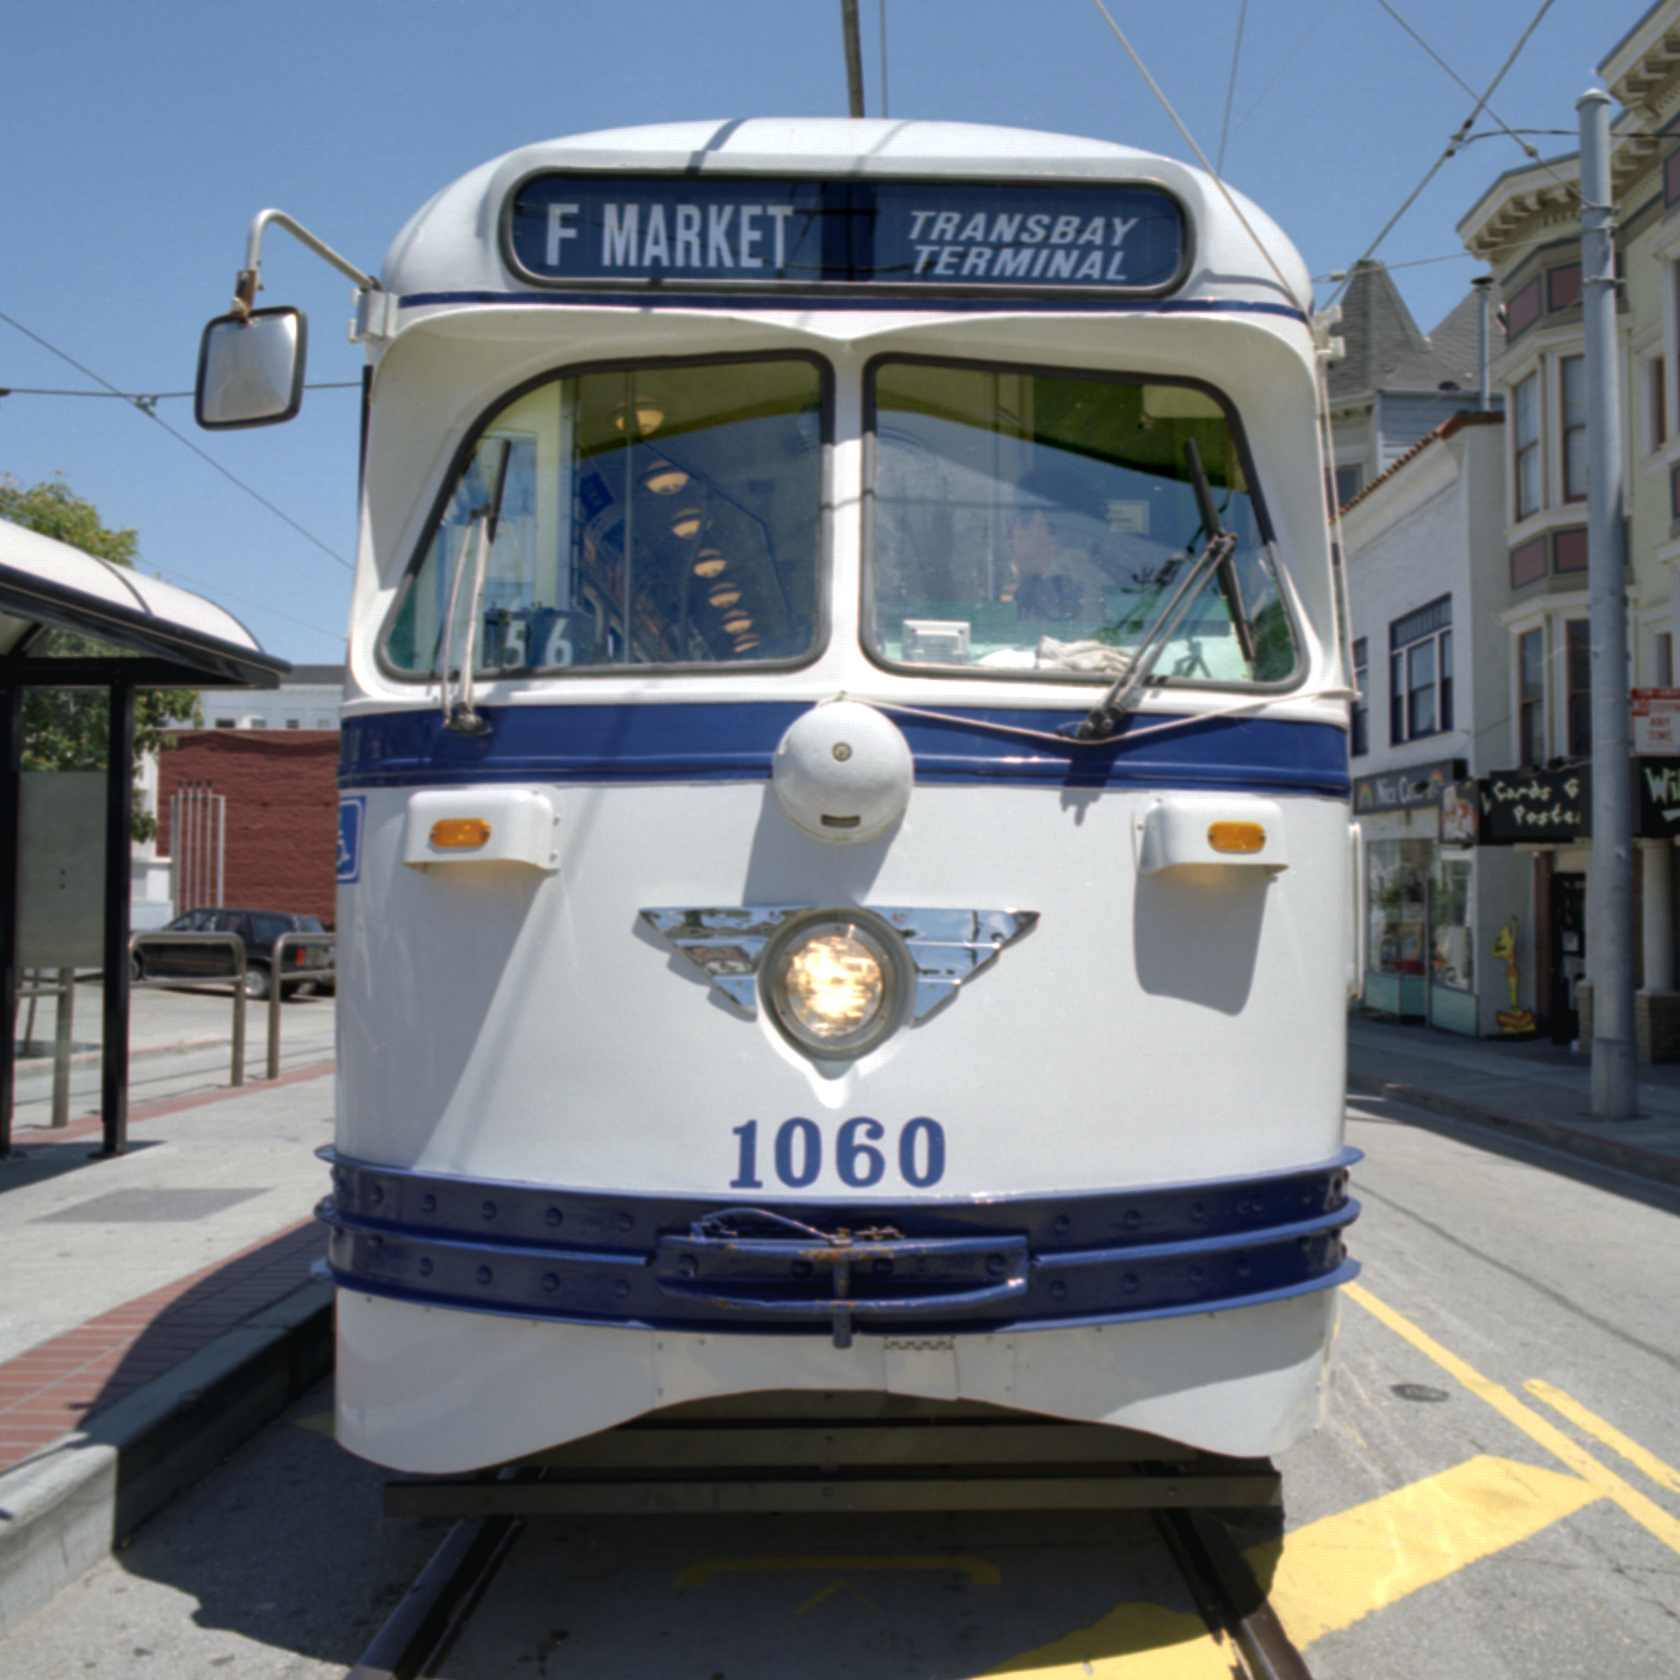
(64, 992)
(287, 942)
(233, 943)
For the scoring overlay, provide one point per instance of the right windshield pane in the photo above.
(1042, 523)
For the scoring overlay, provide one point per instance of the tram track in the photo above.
(1171, 1504)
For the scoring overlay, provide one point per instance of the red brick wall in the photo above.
(282, 811)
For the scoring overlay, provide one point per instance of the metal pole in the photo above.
(11, 795)
(1610, 946)
(1484, 297)
(854, 56)
(62, 1045)
(236, 1074)
(119, 800)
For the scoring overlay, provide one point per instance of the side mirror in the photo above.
(250, 369)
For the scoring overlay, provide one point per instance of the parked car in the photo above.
(260, 929)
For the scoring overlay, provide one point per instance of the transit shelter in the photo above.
(147, 634)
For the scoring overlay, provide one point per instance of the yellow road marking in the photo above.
(1341, 1568)
(321, 1423)
(981, 1573)
(1132, 1642)
(829, 1591)
(1649, 1515)
(1592, 1424)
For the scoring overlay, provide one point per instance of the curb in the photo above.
(1625, 1157)
(64, 1509)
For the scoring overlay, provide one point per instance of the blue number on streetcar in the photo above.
(797, 1154)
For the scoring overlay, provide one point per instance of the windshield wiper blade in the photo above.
(1105, 716)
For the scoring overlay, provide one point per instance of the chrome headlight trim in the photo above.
(946, 948)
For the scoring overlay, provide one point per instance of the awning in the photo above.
(182, 640)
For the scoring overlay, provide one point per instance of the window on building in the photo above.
(1531, 697)
(292, 723)
(1350, 480)
(1656, 400)
(1360, 732)
(224, 723)
(1420, 672)
(1662, 659)
(1578, 664)
(1573, 372)
(1525, 443)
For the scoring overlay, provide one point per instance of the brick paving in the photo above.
(59, 1384)
(88, 1125)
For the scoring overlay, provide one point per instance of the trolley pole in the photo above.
(1614, 1059)
(854, 56)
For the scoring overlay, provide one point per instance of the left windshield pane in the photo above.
(652, 516)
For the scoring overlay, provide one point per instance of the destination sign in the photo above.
(564, 228)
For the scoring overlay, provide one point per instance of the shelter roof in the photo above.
(182, 637)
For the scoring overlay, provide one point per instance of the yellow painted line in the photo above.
(981, 1573)
(1341, 1568)
(1649, 1515)
(829, 1591)
(321, 1422)
(1592, 1424)
(1132, 1642)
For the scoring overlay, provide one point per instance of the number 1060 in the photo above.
(797, 1154)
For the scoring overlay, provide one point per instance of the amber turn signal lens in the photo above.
(460, 834)
(1236, 837)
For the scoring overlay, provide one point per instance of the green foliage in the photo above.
(68, 728)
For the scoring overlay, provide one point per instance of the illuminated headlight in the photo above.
(834, 986)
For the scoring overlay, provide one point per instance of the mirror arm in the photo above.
(249, 282)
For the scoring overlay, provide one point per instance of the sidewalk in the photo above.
(1532, 1089)
(159, 1306)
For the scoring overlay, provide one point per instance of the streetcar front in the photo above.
(845, 861)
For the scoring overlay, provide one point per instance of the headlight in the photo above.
(834, 986)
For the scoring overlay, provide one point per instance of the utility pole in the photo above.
(854, 56)
(1610, 948)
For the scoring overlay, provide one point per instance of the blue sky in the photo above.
(140, 140)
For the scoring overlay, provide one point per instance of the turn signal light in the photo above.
(460, 834)
(1236, 836)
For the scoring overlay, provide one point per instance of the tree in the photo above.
(69, 728)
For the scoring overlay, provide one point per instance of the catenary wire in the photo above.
(881, 10)
(1453, 144)
(180, 438)
(141, 398)
(1231, 86)
(1531, 152)
(1288, 59)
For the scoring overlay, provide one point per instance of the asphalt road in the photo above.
(1495, 1495)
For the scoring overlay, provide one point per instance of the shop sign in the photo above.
(1536, 805)
(1458, 814)
(1656, 721)
(1658, 781)
(1406, 790)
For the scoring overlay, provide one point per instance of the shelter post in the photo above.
(119, 805)
(11, 794)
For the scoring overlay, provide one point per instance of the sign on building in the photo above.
(1656, 721)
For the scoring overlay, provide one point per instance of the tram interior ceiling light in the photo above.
(638, 417)
(710, 564)
(724, 595)
(686, 524)
(833, 989)
(665, 481)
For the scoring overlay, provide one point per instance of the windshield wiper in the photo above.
(1105, 717)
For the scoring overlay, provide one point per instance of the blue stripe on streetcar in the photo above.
(687, 741)
(763, 300)
(936, 1265)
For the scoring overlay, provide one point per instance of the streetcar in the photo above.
(845, 879)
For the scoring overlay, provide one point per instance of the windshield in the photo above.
(661, 515)
(1040, 523)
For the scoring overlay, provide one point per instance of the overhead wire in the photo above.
(179, 437)
(1288, 59)
(1454, 142)
(141, 398)
(1231, 86)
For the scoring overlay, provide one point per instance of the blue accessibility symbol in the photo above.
(352, 814)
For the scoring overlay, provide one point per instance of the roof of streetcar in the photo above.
(454, 246)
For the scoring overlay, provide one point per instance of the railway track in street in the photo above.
(759, 1508)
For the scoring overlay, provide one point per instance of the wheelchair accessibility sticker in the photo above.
(352, 814)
